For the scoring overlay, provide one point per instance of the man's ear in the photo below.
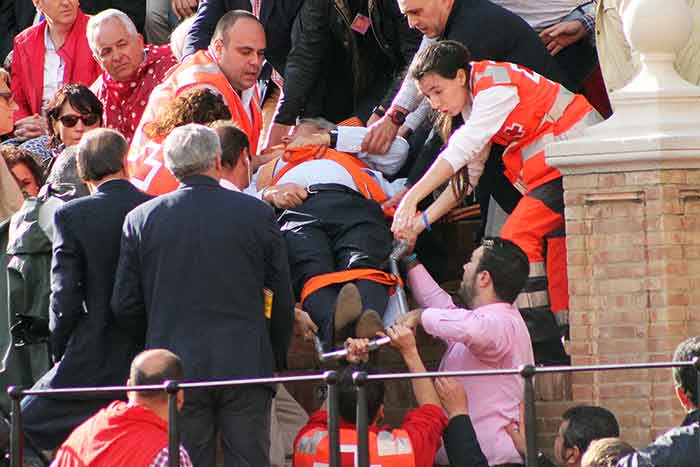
(684, 399)
(180, 399)
(572, 456)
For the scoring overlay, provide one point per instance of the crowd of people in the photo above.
(167, 205)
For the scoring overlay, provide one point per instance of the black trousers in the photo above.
(241, 415)
(335, 230)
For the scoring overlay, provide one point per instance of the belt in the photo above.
(336, 187)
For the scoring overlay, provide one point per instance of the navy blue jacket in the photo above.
(191, 274)
(85, 254)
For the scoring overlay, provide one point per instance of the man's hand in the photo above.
(402, 338)
(30, 127)
(516, 430)
(380, 136)
(276, 134)
(303, 324)
(358, 350)
(184, 8)
(452, 396)
(562, 35)
(286, 195)
(395, 200)
(317, 139)
(411, 319)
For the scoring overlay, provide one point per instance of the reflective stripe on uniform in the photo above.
(537, 269)
(498, 74)
(563, 100)
(388, 445)
(562, 317)
(528, 300)
(309, 444)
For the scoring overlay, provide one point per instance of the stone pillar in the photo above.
(632, 196)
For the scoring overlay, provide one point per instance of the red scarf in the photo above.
(125, 101)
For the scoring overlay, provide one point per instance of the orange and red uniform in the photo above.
(146, 166)
(546, 112)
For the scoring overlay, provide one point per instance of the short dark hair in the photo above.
(443, 58)
(347, 394)
(101, 153)
(587, 423)
(508, 266)
(80, 98)
(14, 156)
(167, 367)
(233, 141)
(605, 452)
(686, 376)
(228, 21)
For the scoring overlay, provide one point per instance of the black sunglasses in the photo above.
(69, 121)
(7, 95)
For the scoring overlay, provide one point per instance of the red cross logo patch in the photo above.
(515, 130)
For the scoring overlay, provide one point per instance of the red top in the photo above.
(424, 426)
(28, 64)
(120, 434)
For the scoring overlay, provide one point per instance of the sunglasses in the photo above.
(7, 95)
(69, 121)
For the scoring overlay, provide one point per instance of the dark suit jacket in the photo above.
(461, 445)
(276, 16)
(491, 32)
(15, 17)
(85, 256)
(191, 275)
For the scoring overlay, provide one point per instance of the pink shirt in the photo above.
(487, 338)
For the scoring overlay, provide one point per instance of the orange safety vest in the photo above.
(386, 449)
(545, 112)
(146, 166)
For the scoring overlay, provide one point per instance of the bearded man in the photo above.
(489, 334)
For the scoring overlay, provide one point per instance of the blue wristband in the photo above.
(424, 216)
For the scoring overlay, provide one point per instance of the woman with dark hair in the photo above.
(196, 105)
(510, 105)
(24, 169)
(72, 111)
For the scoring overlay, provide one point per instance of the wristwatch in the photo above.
(396, 116)
(333, 138)
(379, 111)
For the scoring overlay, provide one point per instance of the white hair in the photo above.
(178, 36)
(96, 21)
(190, 150)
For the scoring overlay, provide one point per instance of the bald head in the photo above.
(154, 366)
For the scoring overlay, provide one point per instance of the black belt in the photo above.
(336, 187)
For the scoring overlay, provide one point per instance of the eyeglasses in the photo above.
(69, 121)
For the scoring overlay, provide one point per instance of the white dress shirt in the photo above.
(53, 70)
(350, 140)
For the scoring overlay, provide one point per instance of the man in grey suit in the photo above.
(193, 266)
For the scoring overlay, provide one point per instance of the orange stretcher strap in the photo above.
(323, 280)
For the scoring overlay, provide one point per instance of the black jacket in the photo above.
(275, 15)
(15, 17)
(87, 235)
(461, 445)
(679, 447)
(491, 32)
(331, 68)
(192, 269)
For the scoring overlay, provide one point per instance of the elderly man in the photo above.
(133, 433)
(10, 194)
(489, 334)
(129, 71)
(231, 67)
(58, 49)
(226, 248)
(89, 350)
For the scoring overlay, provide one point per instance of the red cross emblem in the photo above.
(515, 130)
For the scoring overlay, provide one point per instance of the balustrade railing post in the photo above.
(172, 388)
(527, 372)
(331, 380)
(16, 433)
(359, 378)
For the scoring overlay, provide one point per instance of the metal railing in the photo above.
(330, 378)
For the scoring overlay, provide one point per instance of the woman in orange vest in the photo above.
(510, 105)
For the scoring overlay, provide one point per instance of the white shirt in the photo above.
(228, 185)
(53, 70)
(350, 140)
(469, 144)
(541, 13)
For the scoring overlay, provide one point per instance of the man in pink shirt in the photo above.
(489, 335)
